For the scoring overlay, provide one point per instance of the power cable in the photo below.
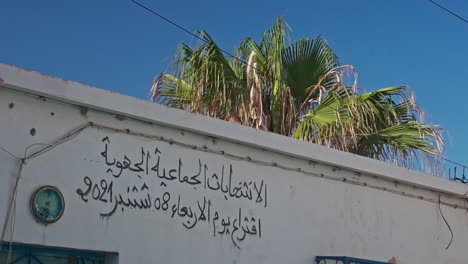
(188, 32)
(453, 162)
(449, 11)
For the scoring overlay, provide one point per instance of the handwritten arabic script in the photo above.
(145, 184)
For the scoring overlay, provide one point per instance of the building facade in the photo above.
(90, 176)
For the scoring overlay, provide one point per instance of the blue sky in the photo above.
(118, 46)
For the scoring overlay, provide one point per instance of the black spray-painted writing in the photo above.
(221, 180)
(144, 196)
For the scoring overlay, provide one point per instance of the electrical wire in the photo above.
(449, 11)
(450, 228)
(9, 153)
(190, 33)
(454, 162)
(10, 217)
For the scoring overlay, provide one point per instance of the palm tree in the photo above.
(300, 90)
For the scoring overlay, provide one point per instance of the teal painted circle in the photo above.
(47, 204)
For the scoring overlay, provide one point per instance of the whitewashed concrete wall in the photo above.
(158, 185)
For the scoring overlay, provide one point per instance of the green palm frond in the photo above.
(409, 144)
(404, 136)
(306, 62)
(374, 125)
(205, 81)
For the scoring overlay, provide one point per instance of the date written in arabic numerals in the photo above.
(101, 191)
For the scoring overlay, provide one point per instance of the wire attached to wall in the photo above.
(449, 227)
(10, 216)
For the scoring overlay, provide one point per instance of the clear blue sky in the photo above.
(117, 45)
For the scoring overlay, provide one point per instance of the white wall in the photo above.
(323, 209)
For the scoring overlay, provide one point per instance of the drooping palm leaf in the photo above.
(403, 144)
(205, 81)
(170, 90)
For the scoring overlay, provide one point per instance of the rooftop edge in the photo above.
(75, 93)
